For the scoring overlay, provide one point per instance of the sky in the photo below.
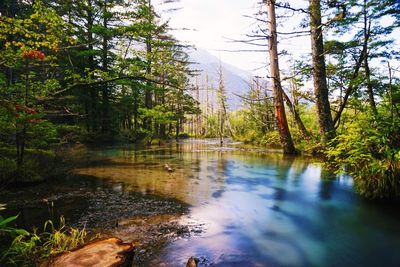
(212, 23)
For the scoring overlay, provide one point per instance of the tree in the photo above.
(326, 126)
(221, 101)
(280, 115)
(42, 31)
(370, 39)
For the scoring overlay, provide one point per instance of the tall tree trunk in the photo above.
(207, 104)
(105, 90)
(148, 93)
(92, 117)
(198, 115)
(162, 129)
(369, 86)
(280, 116)
(177, 129)
(326, 126)
(20, 137)
(221, 121)
(135, 93)
(367, 30)
(222, 113)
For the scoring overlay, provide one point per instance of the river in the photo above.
(226, 206)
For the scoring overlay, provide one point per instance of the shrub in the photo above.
(70, 134)
(370, 152)
(271, 139)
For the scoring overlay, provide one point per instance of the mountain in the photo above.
(236, 81)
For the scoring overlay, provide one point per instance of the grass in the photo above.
(35, 249)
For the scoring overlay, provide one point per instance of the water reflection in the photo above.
(261, 209)
(258, 208)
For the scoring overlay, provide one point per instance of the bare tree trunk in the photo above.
(367, 30)
(221, 105)
(198, 116)
(280, 115)
(221, 127)
(207, 104)
(326, 126)
(223, 115)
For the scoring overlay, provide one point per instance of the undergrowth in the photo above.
(25, 248)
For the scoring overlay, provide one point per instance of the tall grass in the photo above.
(35, 249)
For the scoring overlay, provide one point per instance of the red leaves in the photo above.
(31, 54)
(20, 108)
(28, 113)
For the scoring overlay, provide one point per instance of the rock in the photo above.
(101, 253)
(192, 262)
(168, 168)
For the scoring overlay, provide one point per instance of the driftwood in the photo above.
(168, 168)
(110, 252)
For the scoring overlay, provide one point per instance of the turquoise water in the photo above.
(248, 207)
(260, 209)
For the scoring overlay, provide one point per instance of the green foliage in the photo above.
(247, 130)
(158, 114)
(308, 115)
(250, 128)
(369, 150)
(57, 240)
(212, 126)
(8, 232)
(42, 135)
(70, 134)
(33, 249)
(5, 229)
(42, 29)
(38, 165)
(271, 139)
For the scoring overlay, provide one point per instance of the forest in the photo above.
(103, 72)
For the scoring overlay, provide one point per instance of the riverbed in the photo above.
(227, 206)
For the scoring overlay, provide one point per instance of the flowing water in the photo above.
(245, 207)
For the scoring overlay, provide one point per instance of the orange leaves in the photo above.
(31, 54)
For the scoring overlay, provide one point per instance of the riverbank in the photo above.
(225, 205)
(100, 207)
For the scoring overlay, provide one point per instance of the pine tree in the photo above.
(326, 126)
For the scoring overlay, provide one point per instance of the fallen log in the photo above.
(109, 252)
